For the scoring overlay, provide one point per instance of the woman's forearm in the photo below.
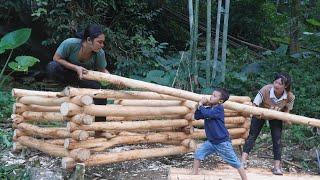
(65, 63)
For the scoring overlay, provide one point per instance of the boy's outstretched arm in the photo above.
(209, 112)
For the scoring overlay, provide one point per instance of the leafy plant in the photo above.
(10, 41)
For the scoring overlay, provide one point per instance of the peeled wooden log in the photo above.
(43, 116)
(128, 125)
(16, 119)
(51, 149)
(24, 92)
(82, 119)
(19, 108)
(70, 143)
(44, 101)
(200, 133)
(141, 118)
(80, 135)
(132, 83)
(267, 113)
(80, 155)
(272, 114)
(189, 143)
(69, 109)
(113, 94)
(33, 130)
(107, 158)
(200, 123)
(149, 103)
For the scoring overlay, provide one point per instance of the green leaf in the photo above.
(155, 73)
(23, 63)
(27, 61)
(313, 22)
(15, 39)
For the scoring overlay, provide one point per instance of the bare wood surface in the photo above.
(24, 92)
(107, 158)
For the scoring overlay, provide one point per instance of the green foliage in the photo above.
(11, 41)
(14, 39)
(23, 63)
(14, 171)
(6, 102)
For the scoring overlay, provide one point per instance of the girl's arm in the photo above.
(79, 69)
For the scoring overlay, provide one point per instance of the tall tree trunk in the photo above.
(224, 39)
(294, 26)
(195, 42)
(216, 42)
(208, 41)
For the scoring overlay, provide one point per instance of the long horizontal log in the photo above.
(132, 83)
(36, 131)
(43, 116)
(200, 133)
(272, 114)
(141, 118)
(51, 149)
(113, 94)
(44, 101)
(269, 114)
(19, 108)
(128, 125)
(69, 109)
(107, 158)
(200, 123)
(54, 150)
(24, 92)
(227, 120)
(150, 103)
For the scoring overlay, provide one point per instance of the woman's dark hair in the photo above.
(285, 79)
(224, 94)
(92, 31)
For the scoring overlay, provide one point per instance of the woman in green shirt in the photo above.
(75, 56)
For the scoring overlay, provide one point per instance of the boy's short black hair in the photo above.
(224, 94)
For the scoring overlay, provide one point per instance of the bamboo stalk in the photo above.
(23, 92)
(107, 158)
(70, 109)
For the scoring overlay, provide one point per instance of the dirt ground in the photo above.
(155, 168)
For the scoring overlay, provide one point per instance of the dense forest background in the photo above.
(150, 40)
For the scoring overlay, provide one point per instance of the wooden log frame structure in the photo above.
(75, 142)
(266, 113)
